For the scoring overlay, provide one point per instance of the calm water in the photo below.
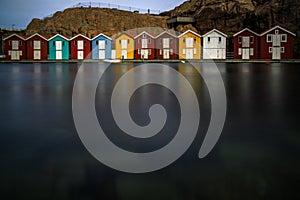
(257, 156)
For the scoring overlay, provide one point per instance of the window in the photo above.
(75, 43)
(183, 40)
(208, 39)
(161, 40)
(160, 52)
(53, 43)
(139, 41)
(270, 49)
(20, 43)
(171, 51)
(195, 51)
(269, 38)
(149, 41)
(251, 39)
(183, 51)
(220, 39)
(149, 51)
(128, 41)
(195, 40)
(144, 35)
(120, 41)
(240, 51)
(283, 38)
(139, 51)
(63, 43)
(171, 40)
(240, 39)
(251, 51)
(276, 32)
(282, 49)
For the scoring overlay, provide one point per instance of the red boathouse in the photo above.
(144, 46)
(80, 47)
(166, 45)
(277, 43)
(246, 44)
(37, 47)
(15, 47)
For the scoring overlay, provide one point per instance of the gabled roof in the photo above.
(167, 32)
(144, 32)
(246, 29)
(189, 31)
(36, 34)
(277, 27)
(214, 30)
(101, 34)
(21, 37)
(76, 36)
(125, 33)
(59, 35)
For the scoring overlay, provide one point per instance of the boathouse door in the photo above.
(276, 53)
(246, 54)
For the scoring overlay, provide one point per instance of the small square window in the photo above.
(208, 39)
(283, 38)
(269, 38)
(139, 51)
(240, 40)
(53, 43)
(282, 49)
(220, 39)
(276, 32)
(144, 35)
(251, 52)
(195, 40)
(270, 49)
(149, 41)
(149, 51)
(251, 39)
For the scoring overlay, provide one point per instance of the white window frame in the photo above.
(285, 35)
(271, 38)
(251, 53)
(240, 51)
(270, 49)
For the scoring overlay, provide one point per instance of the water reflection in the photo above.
(257, 155)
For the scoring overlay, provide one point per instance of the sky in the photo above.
(18, 13)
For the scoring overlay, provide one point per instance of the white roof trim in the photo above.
(189, 31)
(279, 27)
(167, 32)
(214, 30)
(101, 34)
(78, 36)
(143, 33)
(246, 29)
(59, 36)
(36, 34)
(16, 36)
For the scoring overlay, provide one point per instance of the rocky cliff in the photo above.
(92, 21)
